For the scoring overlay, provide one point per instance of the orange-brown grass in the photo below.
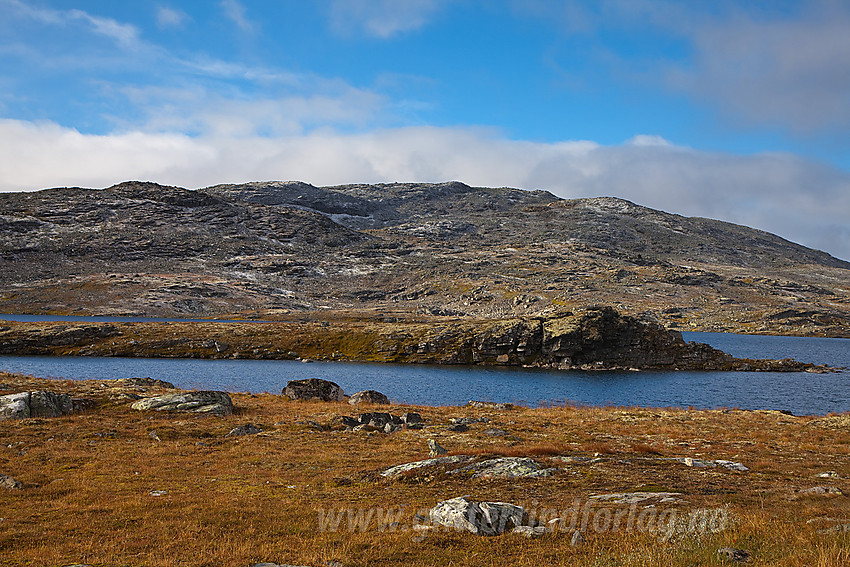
(601, 448)
(240, 501)
(646, 449)
(536, 450)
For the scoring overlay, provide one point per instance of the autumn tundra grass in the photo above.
(113, 486)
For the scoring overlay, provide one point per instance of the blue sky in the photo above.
(738, 110)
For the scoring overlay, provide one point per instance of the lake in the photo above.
(800, 393)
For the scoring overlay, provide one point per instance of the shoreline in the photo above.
(591, 339)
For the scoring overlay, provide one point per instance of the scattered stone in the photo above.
(468, 420)
(458, 428)
(345, 420)
(821, 491)
(480, 518)
(435, 448)
(489, 405)
(158, 493)
(368, 397)
(577, 539)
(829, 474)
(531, 532)
(496, 432)
(247, 429)
(400, 469)
(216, 403)
(411, 418)
(10, 483)
(731, 465)
(314, 425)
(505, 467)
(377, 419)
(732, 554)
(313, 389)
(35, 404)
(144, 383)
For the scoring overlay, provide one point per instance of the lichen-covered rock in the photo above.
(435, 448)
(401, 469)
(368, 397)
(505, 467)
(313, 389)
(480, 518)
(10, 483)
(35, 404)
(216, 403)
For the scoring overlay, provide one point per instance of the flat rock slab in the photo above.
(313, 389)
(216, 403)
(401, 469)
(480, 518)
(505, 467)
(639, 497)
(821, 491)
(699, 463)
(35, 404)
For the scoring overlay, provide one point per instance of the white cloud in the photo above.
(799, 200)
(236, 13)
(775, 70)
(381, 18)
(125, 35)
(169, 17)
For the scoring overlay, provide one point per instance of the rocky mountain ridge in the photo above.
(402, 251)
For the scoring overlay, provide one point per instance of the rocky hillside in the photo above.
(289, 250)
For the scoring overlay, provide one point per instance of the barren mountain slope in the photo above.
(408, 251)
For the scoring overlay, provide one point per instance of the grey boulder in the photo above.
(35, 404)
(216, 403)
(313, 389)
(480, 518)
(368, 397)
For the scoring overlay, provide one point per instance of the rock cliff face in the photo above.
(403, 251)
(590, 339)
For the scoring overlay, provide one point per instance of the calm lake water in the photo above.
(800, 393)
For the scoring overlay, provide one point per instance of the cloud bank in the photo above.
(803, 201)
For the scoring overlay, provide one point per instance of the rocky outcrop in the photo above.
(368, 397)
(212, 402)
(313, 389)
(596, 338)
(479, 518)
(35, 404)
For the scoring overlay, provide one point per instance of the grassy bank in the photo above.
(113, 486)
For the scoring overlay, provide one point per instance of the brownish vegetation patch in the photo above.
(101, 490)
